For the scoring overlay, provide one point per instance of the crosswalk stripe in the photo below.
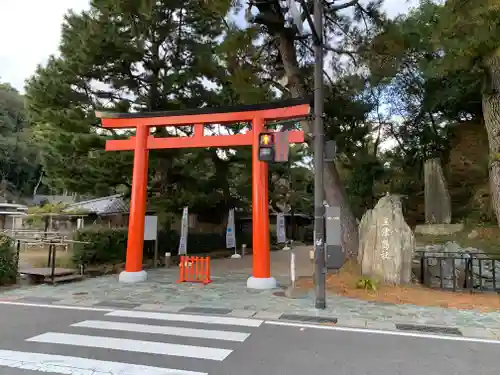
(187, 318)
(59, 364)
(163, 330)
(151, 347)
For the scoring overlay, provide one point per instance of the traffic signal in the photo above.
(266, 147)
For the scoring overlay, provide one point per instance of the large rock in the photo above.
(437, 197)
(447, 265)
(386, 242)
(444, 262)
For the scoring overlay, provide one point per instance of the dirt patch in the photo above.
(38, 257)
(345, 283)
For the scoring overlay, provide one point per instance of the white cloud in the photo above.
(30, 32)
(396, 7)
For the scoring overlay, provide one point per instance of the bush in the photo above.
(110, 245)
(367, 284)
(104, 246)
(204, 243)
(8, 263)
(197, 243)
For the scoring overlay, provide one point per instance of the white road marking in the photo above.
(59, 364)
(62, 307)
(165, 330)
(380, 332)
(187, 318)
(139, 346)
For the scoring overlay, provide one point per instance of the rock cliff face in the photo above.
(467, 171)
(386, 243)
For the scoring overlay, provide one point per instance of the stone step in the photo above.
(64, 278)
(46, 271)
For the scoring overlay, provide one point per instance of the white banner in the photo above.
(184, 232)
(79, 223)
(230, 232)
(150, 228)
(280, 227)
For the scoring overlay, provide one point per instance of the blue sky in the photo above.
(30, 31)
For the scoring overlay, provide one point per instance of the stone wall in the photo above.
(467, 171)
(468, 155)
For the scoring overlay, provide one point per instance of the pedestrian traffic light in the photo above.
(266, 147)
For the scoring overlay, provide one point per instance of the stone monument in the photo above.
(386, 242)
(437, 202)
(437, 197)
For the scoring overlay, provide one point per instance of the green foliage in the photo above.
(423, 90)
(468, 32)
(62, 99)
(47, 208)
(347, 100)
(8, 263)
(37, 213)
(145, 56)
(107, 246)
(65, 132)
(405, 60)
(367, 284)
(361, 182)
(425, 70)
(19, 157)
(104, 246)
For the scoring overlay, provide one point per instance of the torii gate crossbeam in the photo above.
(257, 115)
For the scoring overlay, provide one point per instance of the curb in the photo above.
(397, 326)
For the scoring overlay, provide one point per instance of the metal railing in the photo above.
(52, 244)
(457, 271)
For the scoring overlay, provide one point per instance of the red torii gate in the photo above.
(198, 118)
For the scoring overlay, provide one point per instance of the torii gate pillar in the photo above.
(198, 118)
(261, 278)
(135, 243)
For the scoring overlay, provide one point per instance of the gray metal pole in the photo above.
(319, 208)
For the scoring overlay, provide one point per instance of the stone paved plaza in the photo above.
(228, 290)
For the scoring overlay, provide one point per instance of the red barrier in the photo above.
(194, 270)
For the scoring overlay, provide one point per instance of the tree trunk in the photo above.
(491, 112)
(335, 193)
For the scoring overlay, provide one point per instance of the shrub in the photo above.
(104, 245)
(367, 284)
(8, 263)
(107, 245)
(197, 243)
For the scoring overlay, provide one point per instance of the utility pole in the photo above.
(319, 142)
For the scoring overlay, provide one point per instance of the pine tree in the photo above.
(468, 37)
(284, 53)
(140, 56)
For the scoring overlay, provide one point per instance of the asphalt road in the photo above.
(36, 340)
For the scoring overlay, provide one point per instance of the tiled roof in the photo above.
(114, 204)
